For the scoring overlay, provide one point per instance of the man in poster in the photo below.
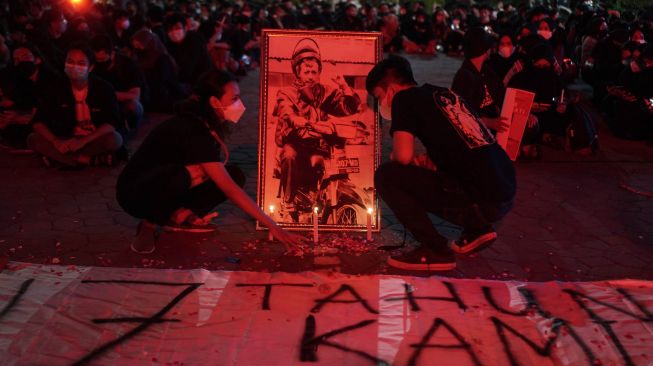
(305, 114)
(473, 185)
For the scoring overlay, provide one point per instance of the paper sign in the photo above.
(516, 108)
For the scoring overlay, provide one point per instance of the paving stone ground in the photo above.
(575, 218)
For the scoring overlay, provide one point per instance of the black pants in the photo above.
(413, 192)
(157, 193)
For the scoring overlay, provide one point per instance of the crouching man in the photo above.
(474, 183)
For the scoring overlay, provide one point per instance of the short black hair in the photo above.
(212, 83)
(173, 19)
(393, 69)
(82, 47)
(102, 42)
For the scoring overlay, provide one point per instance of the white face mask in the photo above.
(506, 51)
(233, 112)
(546, 34)
(386, 110)
(176, 36)
(124, 24)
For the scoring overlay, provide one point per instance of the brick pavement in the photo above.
(571, 221)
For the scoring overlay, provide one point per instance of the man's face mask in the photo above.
(234, 112)
(76, 72)
(176, 35)
(385, 106)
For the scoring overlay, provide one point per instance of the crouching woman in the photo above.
(179, 173)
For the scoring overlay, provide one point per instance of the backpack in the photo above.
(582, 132)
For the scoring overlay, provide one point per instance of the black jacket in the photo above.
(469, 84)
(57, 111)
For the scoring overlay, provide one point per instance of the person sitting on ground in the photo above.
(419, 38)
(160, 71)
(121, 29)
(479, 85)
(124, 74)
(632, 116)
(76, 124)
(539, 77)
(188, 48)
(178, 175)
(505, 56)
(23, 89)
(474, 184)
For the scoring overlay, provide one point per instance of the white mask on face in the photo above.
(176, 35)
(506, 51)
(124, 24)
(233, 112)
(546, 34)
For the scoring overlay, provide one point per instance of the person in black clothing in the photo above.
(124, 74)
(188, 48)
(120, 29)
(76, 124)
(350, 20)
(178, 174)
(419, 36)
(54, 41)
(160, 71)
(23, 87)
(474, 184)
(540, 78)
(479, 85)
(505, 56)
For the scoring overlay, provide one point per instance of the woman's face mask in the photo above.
(234, 112)
(544, 33)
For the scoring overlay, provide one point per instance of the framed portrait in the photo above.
(319, 141)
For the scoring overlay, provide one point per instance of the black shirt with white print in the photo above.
(456, 140)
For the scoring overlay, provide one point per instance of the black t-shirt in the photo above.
(182, 140)
(455, 140)
(124, 75)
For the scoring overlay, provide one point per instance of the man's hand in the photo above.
(532, 121)
(500, 124)
(423, 161)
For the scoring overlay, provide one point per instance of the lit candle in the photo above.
(562, 96)
(270, 237)
(315, 224)
(369, 223)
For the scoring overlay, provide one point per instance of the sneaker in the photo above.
(469, 243)
(424, 259)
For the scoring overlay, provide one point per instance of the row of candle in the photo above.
(315, 224)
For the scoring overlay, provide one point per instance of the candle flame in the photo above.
(370, 210)
(271, 208)
(315, 209)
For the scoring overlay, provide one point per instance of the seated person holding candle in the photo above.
(178, 176)
(474, 183)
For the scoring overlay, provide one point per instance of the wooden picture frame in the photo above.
(319, 136)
